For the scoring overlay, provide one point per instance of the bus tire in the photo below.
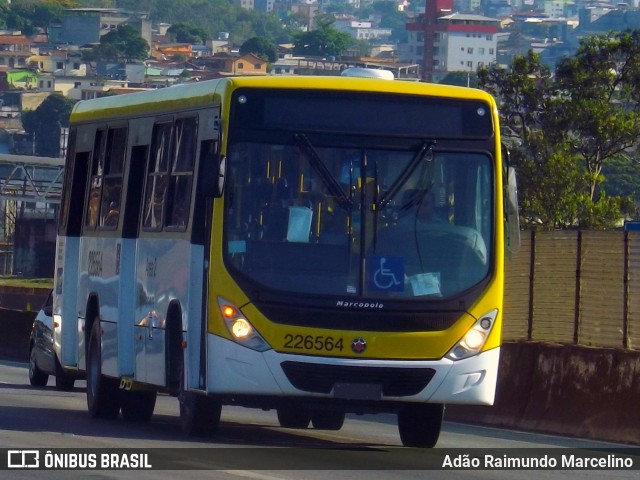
(64, 382)
(327, 420)
(37, 377)
(138, 406)
(199, 414)
(419, 425)
(293, 416)
(102, 392)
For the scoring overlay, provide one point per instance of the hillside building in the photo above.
(442, 41)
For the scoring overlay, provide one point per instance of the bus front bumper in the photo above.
(237, 370)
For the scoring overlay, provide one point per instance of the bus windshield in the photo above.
(362, 222)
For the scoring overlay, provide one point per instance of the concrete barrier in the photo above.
(561, 389)
(20, 298)
(15, 328)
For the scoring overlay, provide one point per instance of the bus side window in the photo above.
(156, 185)
(112, 187)
(181, 176)
(95, 183)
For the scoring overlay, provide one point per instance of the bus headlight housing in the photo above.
(475, 338)
(241, 330)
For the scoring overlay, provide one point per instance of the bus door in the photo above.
(168, 267)
(68, 245)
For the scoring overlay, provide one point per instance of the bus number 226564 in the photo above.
(313, 342)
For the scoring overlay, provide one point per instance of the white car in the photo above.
(43, 360)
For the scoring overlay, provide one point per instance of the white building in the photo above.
(362, 29)
(461, 42)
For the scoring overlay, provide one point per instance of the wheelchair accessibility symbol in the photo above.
(386, 274)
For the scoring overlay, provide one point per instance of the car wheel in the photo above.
(37, 377)
(102, 392)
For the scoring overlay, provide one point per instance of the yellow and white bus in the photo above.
(312, 245)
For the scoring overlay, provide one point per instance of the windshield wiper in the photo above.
(425, 149)
(316, 162)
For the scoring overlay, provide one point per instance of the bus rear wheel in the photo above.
(102, 392)
(420, 425)
(138, 406)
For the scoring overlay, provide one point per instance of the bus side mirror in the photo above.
(213, 168)
(222, 170)
(512, 217)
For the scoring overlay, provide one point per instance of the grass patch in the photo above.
(26, 282)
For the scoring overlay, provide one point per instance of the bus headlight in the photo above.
(473, 341)
(241, 330)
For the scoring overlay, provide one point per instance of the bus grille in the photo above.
(395, 382)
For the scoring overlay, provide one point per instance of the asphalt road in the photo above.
(251, 445)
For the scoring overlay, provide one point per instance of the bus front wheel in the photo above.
(102, 392)
(199, 414)
(64, 382)
(327, 420)
(420, 425)
(293, 416)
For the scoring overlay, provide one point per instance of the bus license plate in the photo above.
(358, 391)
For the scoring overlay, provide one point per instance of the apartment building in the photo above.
(258, 5)
(82, 26)
(15, 49)
(442, 42)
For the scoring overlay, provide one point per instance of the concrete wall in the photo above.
(564, 389)
(15, 326)
(21, 299)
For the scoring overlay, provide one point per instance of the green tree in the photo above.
(215, 16)
(122, 45)
(46, 121)
(622, 176)
(30, 15)
(563, 129)
(46, 12)
(187, 32)
(599, 91)
(323, 42)
(523, 92)
(261, 47)
(390, 17)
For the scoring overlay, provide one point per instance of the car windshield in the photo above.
(374, 222)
